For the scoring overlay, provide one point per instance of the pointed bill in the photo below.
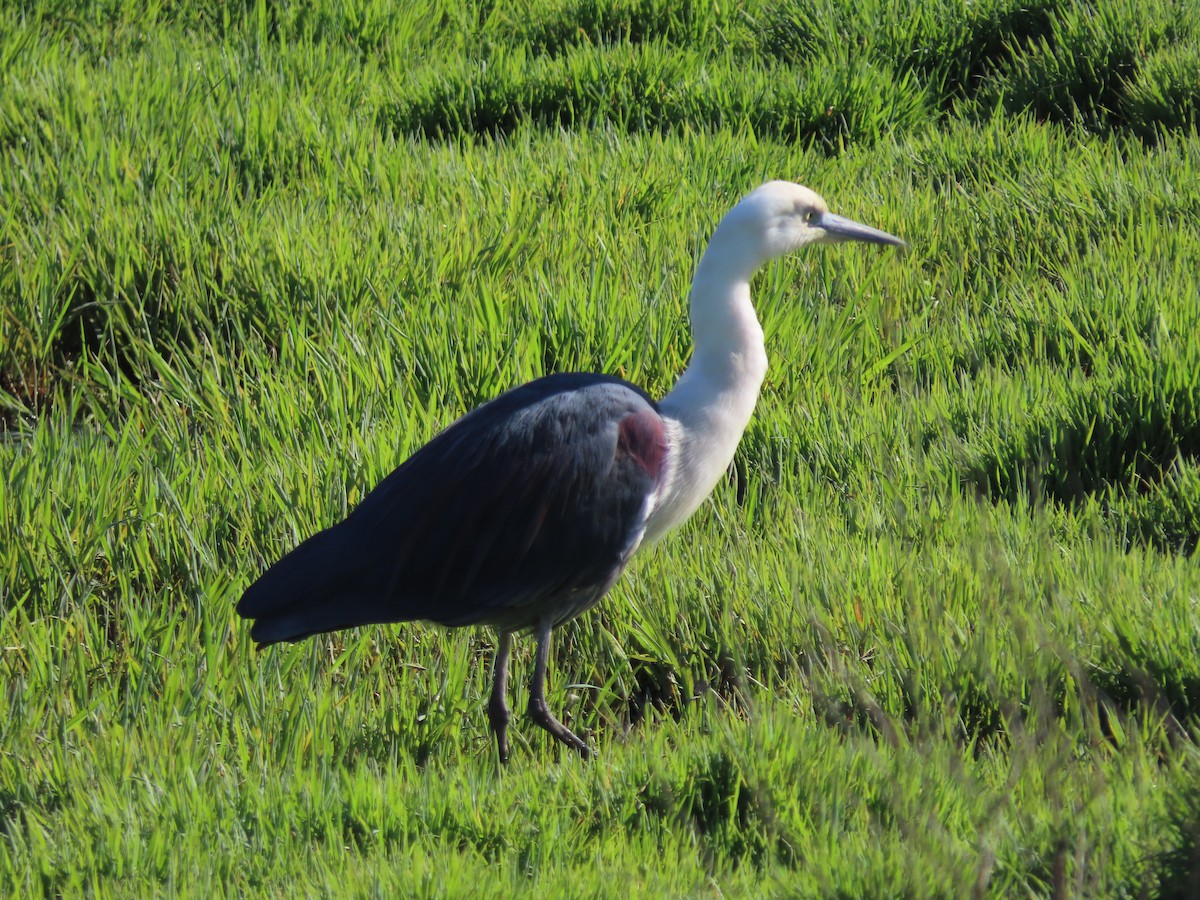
(840, 228)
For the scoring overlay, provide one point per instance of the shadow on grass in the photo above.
(1138, 457)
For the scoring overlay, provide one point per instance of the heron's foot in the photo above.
(540, 713)
(499, 716)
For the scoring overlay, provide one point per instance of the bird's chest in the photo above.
(700, 455)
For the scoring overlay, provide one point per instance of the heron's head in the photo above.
(780, 217)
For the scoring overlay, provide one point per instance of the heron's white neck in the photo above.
(708, 409)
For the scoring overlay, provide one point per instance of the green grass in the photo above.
(936, 634)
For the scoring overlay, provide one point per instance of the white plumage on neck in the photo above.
(707, 411)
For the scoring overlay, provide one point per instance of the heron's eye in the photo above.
(810, 216)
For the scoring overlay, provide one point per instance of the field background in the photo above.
(936, 634)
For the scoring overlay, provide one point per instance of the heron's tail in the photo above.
(310, 591)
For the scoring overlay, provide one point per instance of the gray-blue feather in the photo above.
(526, 508)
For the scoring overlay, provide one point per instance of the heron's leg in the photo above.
(538, 710)
(498, 714)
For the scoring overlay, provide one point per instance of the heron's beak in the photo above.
(842, 229)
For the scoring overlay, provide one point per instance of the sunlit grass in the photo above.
(935, 634)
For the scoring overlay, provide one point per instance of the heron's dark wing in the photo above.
(526, 507)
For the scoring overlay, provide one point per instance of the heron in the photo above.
(523, 513)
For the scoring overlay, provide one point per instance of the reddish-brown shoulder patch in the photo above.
(641, 436)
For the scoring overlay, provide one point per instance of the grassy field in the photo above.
(938, 634)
